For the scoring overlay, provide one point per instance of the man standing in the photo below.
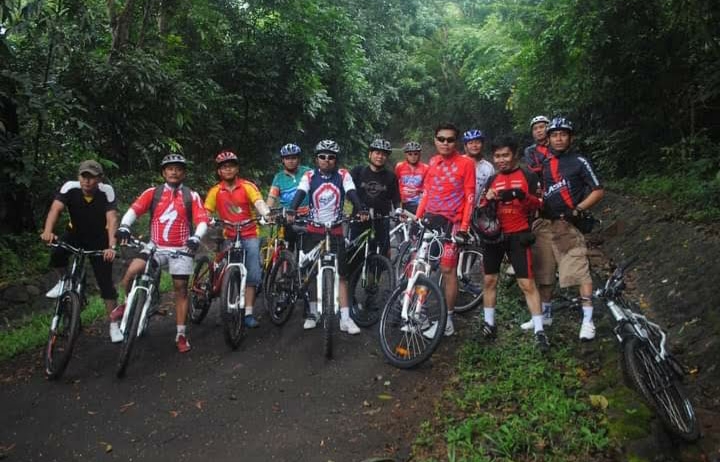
(447, 204)
(474, 140)
(536, 153)
(410, 174)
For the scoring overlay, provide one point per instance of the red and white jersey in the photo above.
(169, 225)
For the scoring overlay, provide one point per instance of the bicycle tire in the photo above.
(281, 289)
(368, 300)
(403, 342)
(471, 282)
(61, 340)
(402, 259)
(328, 311)
(233, 320)
(200, 290)
(130, 336)
(661, 388)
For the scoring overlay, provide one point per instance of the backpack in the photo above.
(187, 201)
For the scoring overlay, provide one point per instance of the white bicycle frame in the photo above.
(327, 261)
(237, 245)
(420, 266)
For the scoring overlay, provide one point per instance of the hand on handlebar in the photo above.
(123, 235)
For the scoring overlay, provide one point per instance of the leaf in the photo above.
(599, 402)
(174, 414)
(127, 406)
(199, 404)
(384, 397)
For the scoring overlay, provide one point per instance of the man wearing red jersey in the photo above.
(410, 175)
(170, 229)
(516, 196)
(447, 204)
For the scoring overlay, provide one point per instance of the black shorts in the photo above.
(102, 269)
(518, 249)
(337, 245)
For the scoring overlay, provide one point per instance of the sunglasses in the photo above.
(449, 139)
(326, 156)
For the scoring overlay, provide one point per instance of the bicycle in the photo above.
(142, 301)
(649, 366)
(65, 323)
(372, 281)
(415, 308)
(225, 277)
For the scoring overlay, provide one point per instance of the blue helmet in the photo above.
(290, 150)
(560, 123)
(473, 134)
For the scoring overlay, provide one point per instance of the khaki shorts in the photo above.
(559, 247)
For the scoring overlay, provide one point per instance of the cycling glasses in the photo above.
(449, 139)
(326, 156)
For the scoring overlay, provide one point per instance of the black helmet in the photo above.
(380, 144)
(412, 146)
(560, 123)
(486, 224)
(173, 158)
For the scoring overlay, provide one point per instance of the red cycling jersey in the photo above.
(235, 205)
(169, 225)
(449, 188)
(410, 180)
(513, 214)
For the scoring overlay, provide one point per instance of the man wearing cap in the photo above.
(93, 221)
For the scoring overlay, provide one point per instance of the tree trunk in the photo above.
(120, 25)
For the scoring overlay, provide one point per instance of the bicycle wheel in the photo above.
(409, 342)
(233, 317)
(131, 332)
(402, 259)
(471, 280)
(200, 290)
(281, 290)
(64, 331)
(661, 388)
(370, 290)
(328, 311)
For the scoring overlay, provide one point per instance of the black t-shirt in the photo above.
(377, 190)
(568, 179)
(87, 214)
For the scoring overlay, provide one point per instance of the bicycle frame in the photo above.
(420, 266)
(322, 258)
(73, 280)
(148, 280)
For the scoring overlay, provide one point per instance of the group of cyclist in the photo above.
(536, 203)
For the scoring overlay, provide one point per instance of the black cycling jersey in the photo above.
(377, 190)
(87, 214)
(568, 180)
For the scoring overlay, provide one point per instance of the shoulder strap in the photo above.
(187, 202)
(157, 194)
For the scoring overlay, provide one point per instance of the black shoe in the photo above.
(488, 332)
(541, 342)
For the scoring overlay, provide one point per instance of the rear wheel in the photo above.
(131, 331)
(328, 311)
(471, 281)
(409, 342)
(233, 316)
(370, 289)
(661, 388)
(200, 290)
(281, 289)
(403, 259)
(64, 331)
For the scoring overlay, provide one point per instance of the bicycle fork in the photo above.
(148, 289)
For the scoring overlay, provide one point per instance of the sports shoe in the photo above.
(310, 322)
(587, 331)
(182, 343)
(116, 335)
(449, 329)
(55, 291)
(251, 322)
(349, 326)
(541, 342)
(117, 314)
(530, 326)
(488, 331)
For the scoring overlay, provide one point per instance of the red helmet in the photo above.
(226, 156)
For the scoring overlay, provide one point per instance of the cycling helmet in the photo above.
(226, 156)
(538, 119)
(411, 146)
(327, 146)
(380, 144)
(560, 123)
(486, 224)
(473, 134)
(173, 159)
(290, 150)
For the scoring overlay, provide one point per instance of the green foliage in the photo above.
(22, 256)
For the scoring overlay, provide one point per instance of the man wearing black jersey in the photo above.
(93, 221)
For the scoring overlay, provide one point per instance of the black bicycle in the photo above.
(647, 363)
(65, 323)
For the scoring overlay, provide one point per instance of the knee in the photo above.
(490, 281)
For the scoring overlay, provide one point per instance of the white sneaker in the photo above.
(449, 329)
(116, 335)
(587, 331)
(530, 326)
(55, 291)
(310, 323)
(349, 326)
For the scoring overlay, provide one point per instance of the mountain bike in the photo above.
(415, 308)
(65, 323)
(647, 363)
(142, 301)
(372, 279)
(224, 277)
(470, 273)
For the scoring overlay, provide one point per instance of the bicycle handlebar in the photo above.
(153, 248)
(76, 250)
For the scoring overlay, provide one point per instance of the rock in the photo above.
(33, 291)
(16, 294)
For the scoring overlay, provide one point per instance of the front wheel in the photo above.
(370, 289)
(131, 331)
(233, 316)
(661, 389)
(329, 318)
(200, 290)
(281, 290)
(409, 342)
(64, 331)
